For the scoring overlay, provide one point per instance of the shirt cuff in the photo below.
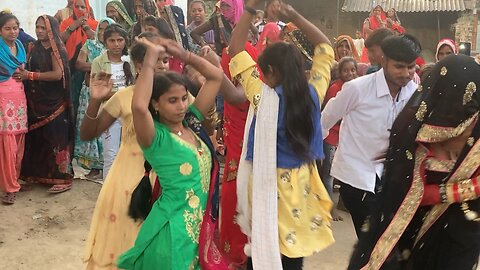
(240, 63)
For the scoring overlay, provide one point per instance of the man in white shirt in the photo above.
(368, 106)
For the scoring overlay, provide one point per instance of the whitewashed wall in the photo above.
(27, 11)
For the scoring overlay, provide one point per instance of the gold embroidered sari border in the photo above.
(431, 134)
(402, 218)
(466, 169)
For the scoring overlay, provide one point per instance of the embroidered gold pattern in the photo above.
(186, 169)
(291, 238)
(193, 219)
(439, 165)
(430, 134)
(316, 222)
(226, 247)
(469, 165)
(296, 212)
(402, 218)
(422, 110)
(285, 177)
(409, 154)
(470, 141)
(469, 91)
(256, 101)
(443, 71)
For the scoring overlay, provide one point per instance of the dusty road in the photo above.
(42, 231)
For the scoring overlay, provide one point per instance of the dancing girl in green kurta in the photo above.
(166, 131)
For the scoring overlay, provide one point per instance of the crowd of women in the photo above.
(141, 100)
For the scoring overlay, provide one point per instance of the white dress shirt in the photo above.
(368, 111)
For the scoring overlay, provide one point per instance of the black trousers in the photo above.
(359, 203)
(287, 263)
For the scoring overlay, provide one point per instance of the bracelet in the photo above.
(89, 117)
(250, 10)
(33, 76)
(443, 193)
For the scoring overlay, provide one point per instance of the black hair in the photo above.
(138, 50)
(198, 1)
(377, 37)
(346, 60)
(162, 82)
(6, 16)
(404, 48)
(141, 201)
(164, 29)
(117, 28)
(287, 63)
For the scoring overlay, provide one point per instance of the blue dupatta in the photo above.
(8, 62)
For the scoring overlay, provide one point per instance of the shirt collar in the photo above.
(383, 90)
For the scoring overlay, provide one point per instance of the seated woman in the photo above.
(428, 214)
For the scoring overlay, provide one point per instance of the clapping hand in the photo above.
(100, 85)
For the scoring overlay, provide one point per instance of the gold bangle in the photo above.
(89, 117)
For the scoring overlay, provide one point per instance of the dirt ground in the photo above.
(43, 231)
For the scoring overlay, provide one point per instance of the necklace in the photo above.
(179, 133)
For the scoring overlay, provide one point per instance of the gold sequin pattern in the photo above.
(422, 110)
(409, 155)
(469, 91)
(405, 213)
(443, 71)
(439, 165)
(466, 169)
(420, 88)
(430, 134)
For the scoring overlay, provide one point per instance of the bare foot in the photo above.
(336, 216)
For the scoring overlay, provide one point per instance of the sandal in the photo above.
(60, 188)
(9, 198)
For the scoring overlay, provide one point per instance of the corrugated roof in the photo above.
(404, 5)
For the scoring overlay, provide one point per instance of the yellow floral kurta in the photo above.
(112, 231)
(304, 205)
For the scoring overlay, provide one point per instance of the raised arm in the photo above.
(240, 33)
(95, 123)
(82, 64)
(313, 33)
(213, 75)
(142, 94)
(197, 33)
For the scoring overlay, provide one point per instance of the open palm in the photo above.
(100, 85)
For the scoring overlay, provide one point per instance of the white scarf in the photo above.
(262, 232)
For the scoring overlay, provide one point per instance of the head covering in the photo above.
(445, 104)
(302, 43)
(78, 36)
(271, 32)
(373, 21)
(446, 41)
(122, 11)
(351, 45)
(235, 11)
(166, 3)
(95, 46)
(395, 16)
